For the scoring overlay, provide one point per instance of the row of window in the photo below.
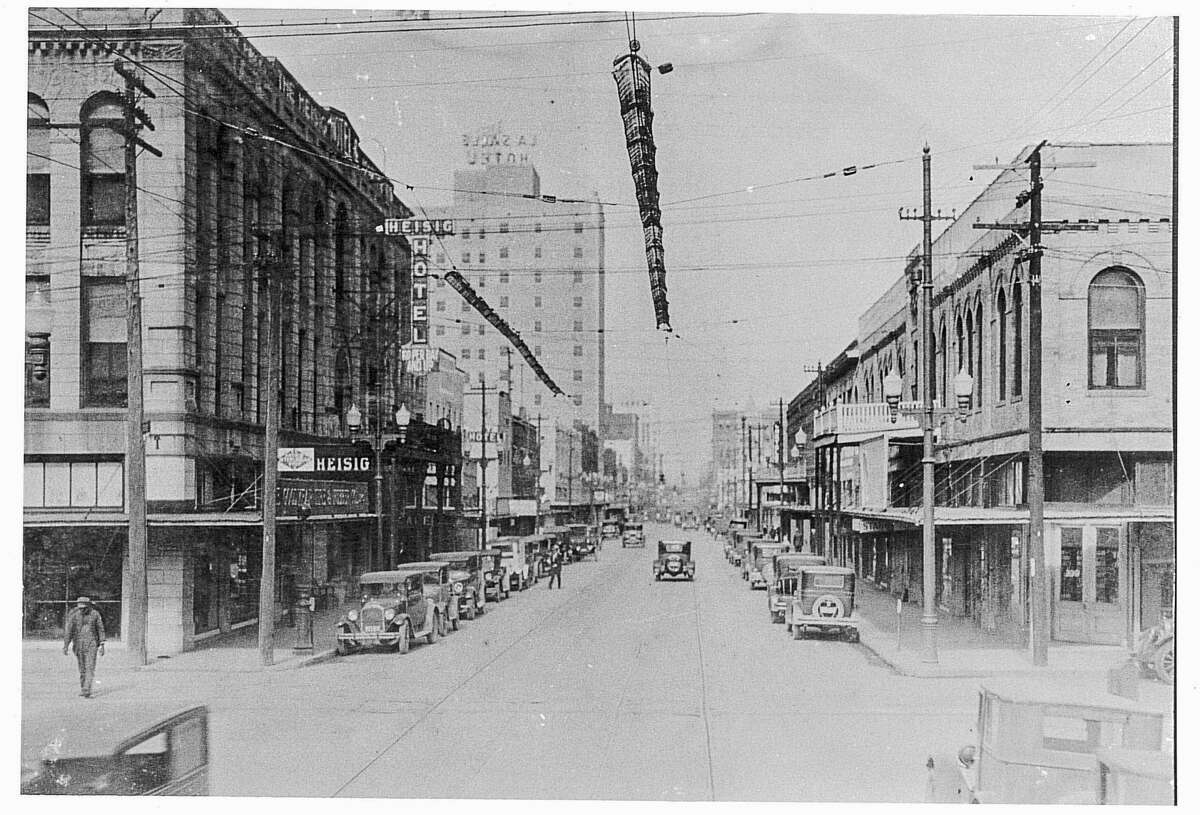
(53, 484)
(577, 253)
(1116, 315)
(440, 305)
(481, 232)
(537, 350)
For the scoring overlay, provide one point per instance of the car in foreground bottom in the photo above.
(116, 748)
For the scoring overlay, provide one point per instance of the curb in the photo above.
(315, 659)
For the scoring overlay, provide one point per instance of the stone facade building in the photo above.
(256, 179)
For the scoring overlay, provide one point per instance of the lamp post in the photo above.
(307, 602)
(893, 387)
(354, 420)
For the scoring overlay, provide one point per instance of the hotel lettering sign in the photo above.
(498, 148)
(420, 292)
(413, 227)
(303, 497)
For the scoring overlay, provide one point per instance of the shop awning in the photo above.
(972, 516)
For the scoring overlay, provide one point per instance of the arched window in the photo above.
(102, 161)
(969, 328)
(1002, 344)
(978, 354)
(943, 358)
(37, 163)
(1018, 361)
(1116, 316)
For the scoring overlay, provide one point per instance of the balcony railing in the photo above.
(866, 417)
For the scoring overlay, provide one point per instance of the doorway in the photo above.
(1088, 585)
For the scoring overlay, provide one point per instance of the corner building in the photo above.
(224, 206)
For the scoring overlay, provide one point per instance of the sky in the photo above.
(768, 269)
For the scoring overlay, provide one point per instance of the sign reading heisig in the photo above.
(326, 459)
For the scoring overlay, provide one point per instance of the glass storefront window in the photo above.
(1071, 566)
(1107, 565)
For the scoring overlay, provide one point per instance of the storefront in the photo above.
(61, 564)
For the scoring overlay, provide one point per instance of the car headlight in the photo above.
(390, 614)
(352, 615)
(489, 575)
(458, 588)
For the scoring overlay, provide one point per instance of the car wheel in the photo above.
(797, 633)
(434, 630)
(471, 612)
(443, 627)
(852, 636)
(403, 643)
(1164, 662)
(454, 624)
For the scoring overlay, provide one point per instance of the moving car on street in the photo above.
(1037, 741)
(785, 572)
(610, 531)
(439, 590)
(758, 569)
(634, 535)
(674, 560)
(823, 602)
(581, 543)
(116, 748)
(466, 572)
(394, 611)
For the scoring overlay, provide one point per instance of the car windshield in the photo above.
(673, 547)
(828, 581)
(431, 578)
(380, 589)
(460, 565)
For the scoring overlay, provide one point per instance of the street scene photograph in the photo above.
(701, 403)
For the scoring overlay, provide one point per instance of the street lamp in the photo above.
(354, 418)
(964, 387)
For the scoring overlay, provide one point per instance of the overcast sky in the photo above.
(765, 275)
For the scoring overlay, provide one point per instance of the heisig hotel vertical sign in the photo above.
(421, 234)
(420, 291)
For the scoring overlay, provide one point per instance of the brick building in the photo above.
(256, 177)
(1108, 374)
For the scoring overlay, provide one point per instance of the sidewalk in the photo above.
(963, 649)
(230, 653)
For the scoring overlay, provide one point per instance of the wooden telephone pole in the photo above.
(483, 391)
(270, 267)
(136, 600)
(1039, 579)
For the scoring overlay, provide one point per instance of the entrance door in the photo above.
(1088, 607)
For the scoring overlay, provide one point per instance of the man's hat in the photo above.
(83, 601)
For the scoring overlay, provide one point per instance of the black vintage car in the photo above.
(581, 542)
(495, 575)
(466, 572)
(674, 560)
(394, 611)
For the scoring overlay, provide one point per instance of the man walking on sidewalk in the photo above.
(85, 629)
(556, 563)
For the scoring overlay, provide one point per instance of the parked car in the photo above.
(116, 748)
(610, 531)
(495, 575)
(581, 543)
(758, 570)
(823, 601)
(634, 535)
(439, 590)
(539, 546)
(1037, 741)
(466, 572)
(674, 560)
(519, 558)
(744, 556)
(1155, 650)
(394, 610)
(785, 571)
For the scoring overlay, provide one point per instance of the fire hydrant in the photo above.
(306, 605)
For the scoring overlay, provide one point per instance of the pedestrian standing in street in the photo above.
(85, 628)
(556, 563)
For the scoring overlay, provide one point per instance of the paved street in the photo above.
(617, 687)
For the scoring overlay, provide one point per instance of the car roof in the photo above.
(420, 566)
(674, 541)
(454, 555)
(1043, 691)
(81, 729)
(819, 569)
(396, 575)
(800, 557)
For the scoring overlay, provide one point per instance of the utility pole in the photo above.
(270, 265)
(817, 496)
(482, 390)
(1039, 582)
(925, 367)
(135, 429)
(782, 430)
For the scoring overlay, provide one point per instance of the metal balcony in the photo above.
(866, 417)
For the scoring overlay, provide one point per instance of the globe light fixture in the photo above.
(354, 418)
(893, 387)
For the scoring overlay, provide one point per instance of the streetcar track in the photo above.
(469, 678)
(712, 794)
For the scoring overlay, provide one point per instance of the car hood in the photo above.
(459, 577)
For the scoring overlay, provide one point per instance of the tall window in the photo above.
(102, 162)
(1116, 316)
(37, 164)
(943, 357)
(1002, 344)
(103, 306)
(960, 346)
(1018, 359)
